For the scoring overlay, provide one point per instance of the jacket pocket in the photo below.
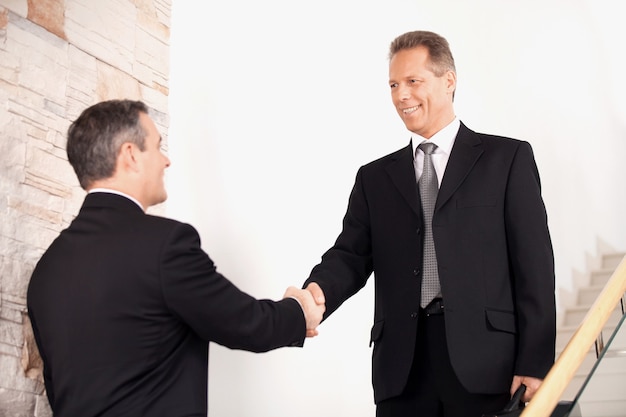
(377, 332)
(501, 320)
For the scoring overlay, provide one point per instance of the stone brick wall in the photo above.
(56, 58)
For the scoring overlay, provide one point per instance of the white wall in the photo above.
(275, 104)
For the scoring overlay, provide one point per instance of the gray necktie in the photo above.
(429, 188)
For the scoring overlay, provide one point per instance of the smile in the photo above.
(411, 109)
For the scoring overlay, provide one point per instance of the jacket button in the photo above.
(413, 315)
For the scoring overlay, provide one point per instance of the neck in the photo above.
(115, 188)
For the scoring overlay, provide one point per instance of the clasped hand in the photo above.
(313, 305)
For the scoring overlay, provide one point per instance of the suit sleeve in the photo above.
(532, 265)
(346, 267)
(47, 378)
(215, 308)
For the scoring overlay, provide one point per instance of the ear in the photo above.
(451, 81)
(127, 159)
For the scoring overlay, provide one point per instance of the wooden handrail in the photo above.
(563, 370)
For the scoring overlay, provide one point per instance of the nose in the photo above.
(400, 93)
(403, 92)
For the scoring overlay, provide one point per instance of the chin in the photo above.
(412, 128)
(160, 199)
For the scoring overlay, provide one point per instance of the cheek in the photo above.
(397, 93)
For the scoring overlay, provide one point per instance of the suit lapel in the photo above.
(402, 173)
(465, 152)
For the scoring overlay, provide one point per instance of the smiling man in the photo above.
(454, 229)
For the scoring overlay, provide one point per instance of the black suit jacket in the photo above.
(494, 255)
(123, 305)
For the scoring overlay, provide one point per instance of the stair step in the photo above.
(600, 277)
(575, 315)
(602, 386)
(612, 260)
(565, 333)
(609, 365)
(587, 296)
(604, 408)
(604, 393)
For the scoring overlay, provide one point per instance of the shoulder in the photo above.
(403, 153)
(490, 146)
(468, 136)
(169, 226)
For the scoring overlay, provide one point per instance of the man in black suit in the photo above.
(124, 304)
(491, 324)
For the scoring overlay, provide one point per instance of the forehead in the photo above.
(409, 60)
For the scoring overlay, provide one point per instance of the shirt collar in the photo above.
(110, 191)
(444, 139)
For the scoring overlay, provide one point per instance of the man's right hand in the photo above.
(313, 310)
(318, 296)
(317, 292)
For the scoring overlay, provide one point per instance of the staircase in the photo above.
(605, 393)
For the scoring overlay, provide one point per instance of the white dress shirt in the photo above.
(444, 139)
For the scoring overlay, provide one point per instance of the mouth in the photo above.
(411, 110)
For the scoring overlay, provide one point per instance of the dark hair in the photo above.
(438, 49)
(95, 138)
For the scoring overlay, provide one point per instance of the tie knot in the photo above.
(427, 147)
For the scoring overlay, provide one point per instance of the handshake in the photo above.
(313, 305)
